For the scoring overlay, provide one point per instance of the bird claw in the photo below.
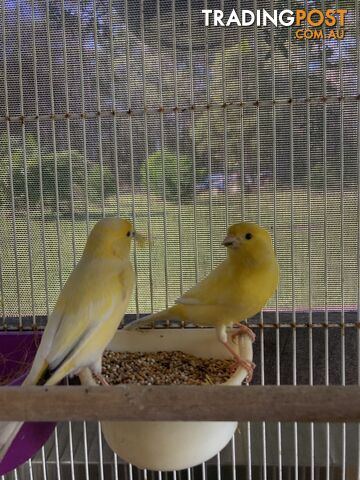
(101, 379)
(244, 330)
(246, 364)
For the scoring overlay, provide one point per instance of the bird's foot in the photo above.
(244, 330)
(240, 362)
(246, 364)
(101, 379)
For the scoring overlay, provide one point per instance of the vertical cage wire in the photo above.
(2, 292)
(43, 463)
(146, 140)
(203, 471)
(30, 469)
(38, 137)
(342, 248)
(113, 107)
(127, 50)
(68, 137)
(241, 113)
(309, 244)
(53, 132)
(357, 21)
(86, 193)
(130, 472)
(258, 200)
(57, 454)
(243, 216)
(274, 154)
(26, 188)
(101, 458)
(225, 120)
(86, 457)
(233, 458)
(177, 142)
(67, 107)
(193, 139)
(326, 316)
(83, 121)
(208, 101)
(98, 106)
(8, 134)
(116, 473)
(71, 450)
(218, 466)
(162, 149)
(292, 249)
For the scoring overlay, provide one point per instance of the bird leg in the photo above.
(101, 379)
(243, 330)
(240, 362)
(221, 333)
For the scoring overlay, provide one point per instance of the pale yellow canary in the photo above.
(234, 291)
(87, 313)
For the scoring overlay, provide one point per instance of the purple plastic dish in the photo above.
(17, 350)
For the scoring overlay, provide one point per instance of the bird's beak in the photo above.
(230, 241)
(139, 239)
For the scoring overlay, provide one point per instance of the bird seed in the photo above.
(163, 368)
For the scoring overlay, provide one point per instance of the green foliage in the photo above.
(74, 190)
(57, 171)
(166, 167)
(95, 184)
(62, 176)
(13, 159)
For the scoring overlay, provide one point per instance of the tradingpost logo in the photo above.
(309, 23)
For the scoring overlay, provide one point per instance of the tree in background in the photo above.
(242, 71)
(53, 173)
(169, 173)
(67, 164)
(16, 168)
(246, 72)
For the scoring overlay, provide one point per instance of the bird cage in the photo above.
(139, 109)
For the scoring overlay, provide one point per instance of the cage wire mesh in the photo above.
(134, 108)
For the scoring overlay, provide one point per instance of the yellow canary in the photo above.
(87, 313)
(234, 291)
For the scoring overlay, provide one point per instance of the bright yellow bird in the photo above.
(234, 291)
(87, 313)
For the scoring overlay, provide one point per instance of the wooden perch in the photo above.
(213, 402)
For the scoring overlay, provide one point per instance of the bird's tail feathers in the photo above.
(38, 373)
(58, 374)
(8, 431)
(148, 320)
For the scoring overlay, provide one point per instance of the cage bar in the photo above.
(133, 402)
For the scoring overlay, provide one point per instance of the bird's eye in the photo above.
(128, 234)
(248, 236)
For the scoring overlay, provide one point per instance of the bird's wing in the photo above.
(76, 326)
(209, 289)
(40, 364)
(204, 293)
(90, 297)
(185, 300)
(96, 303)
